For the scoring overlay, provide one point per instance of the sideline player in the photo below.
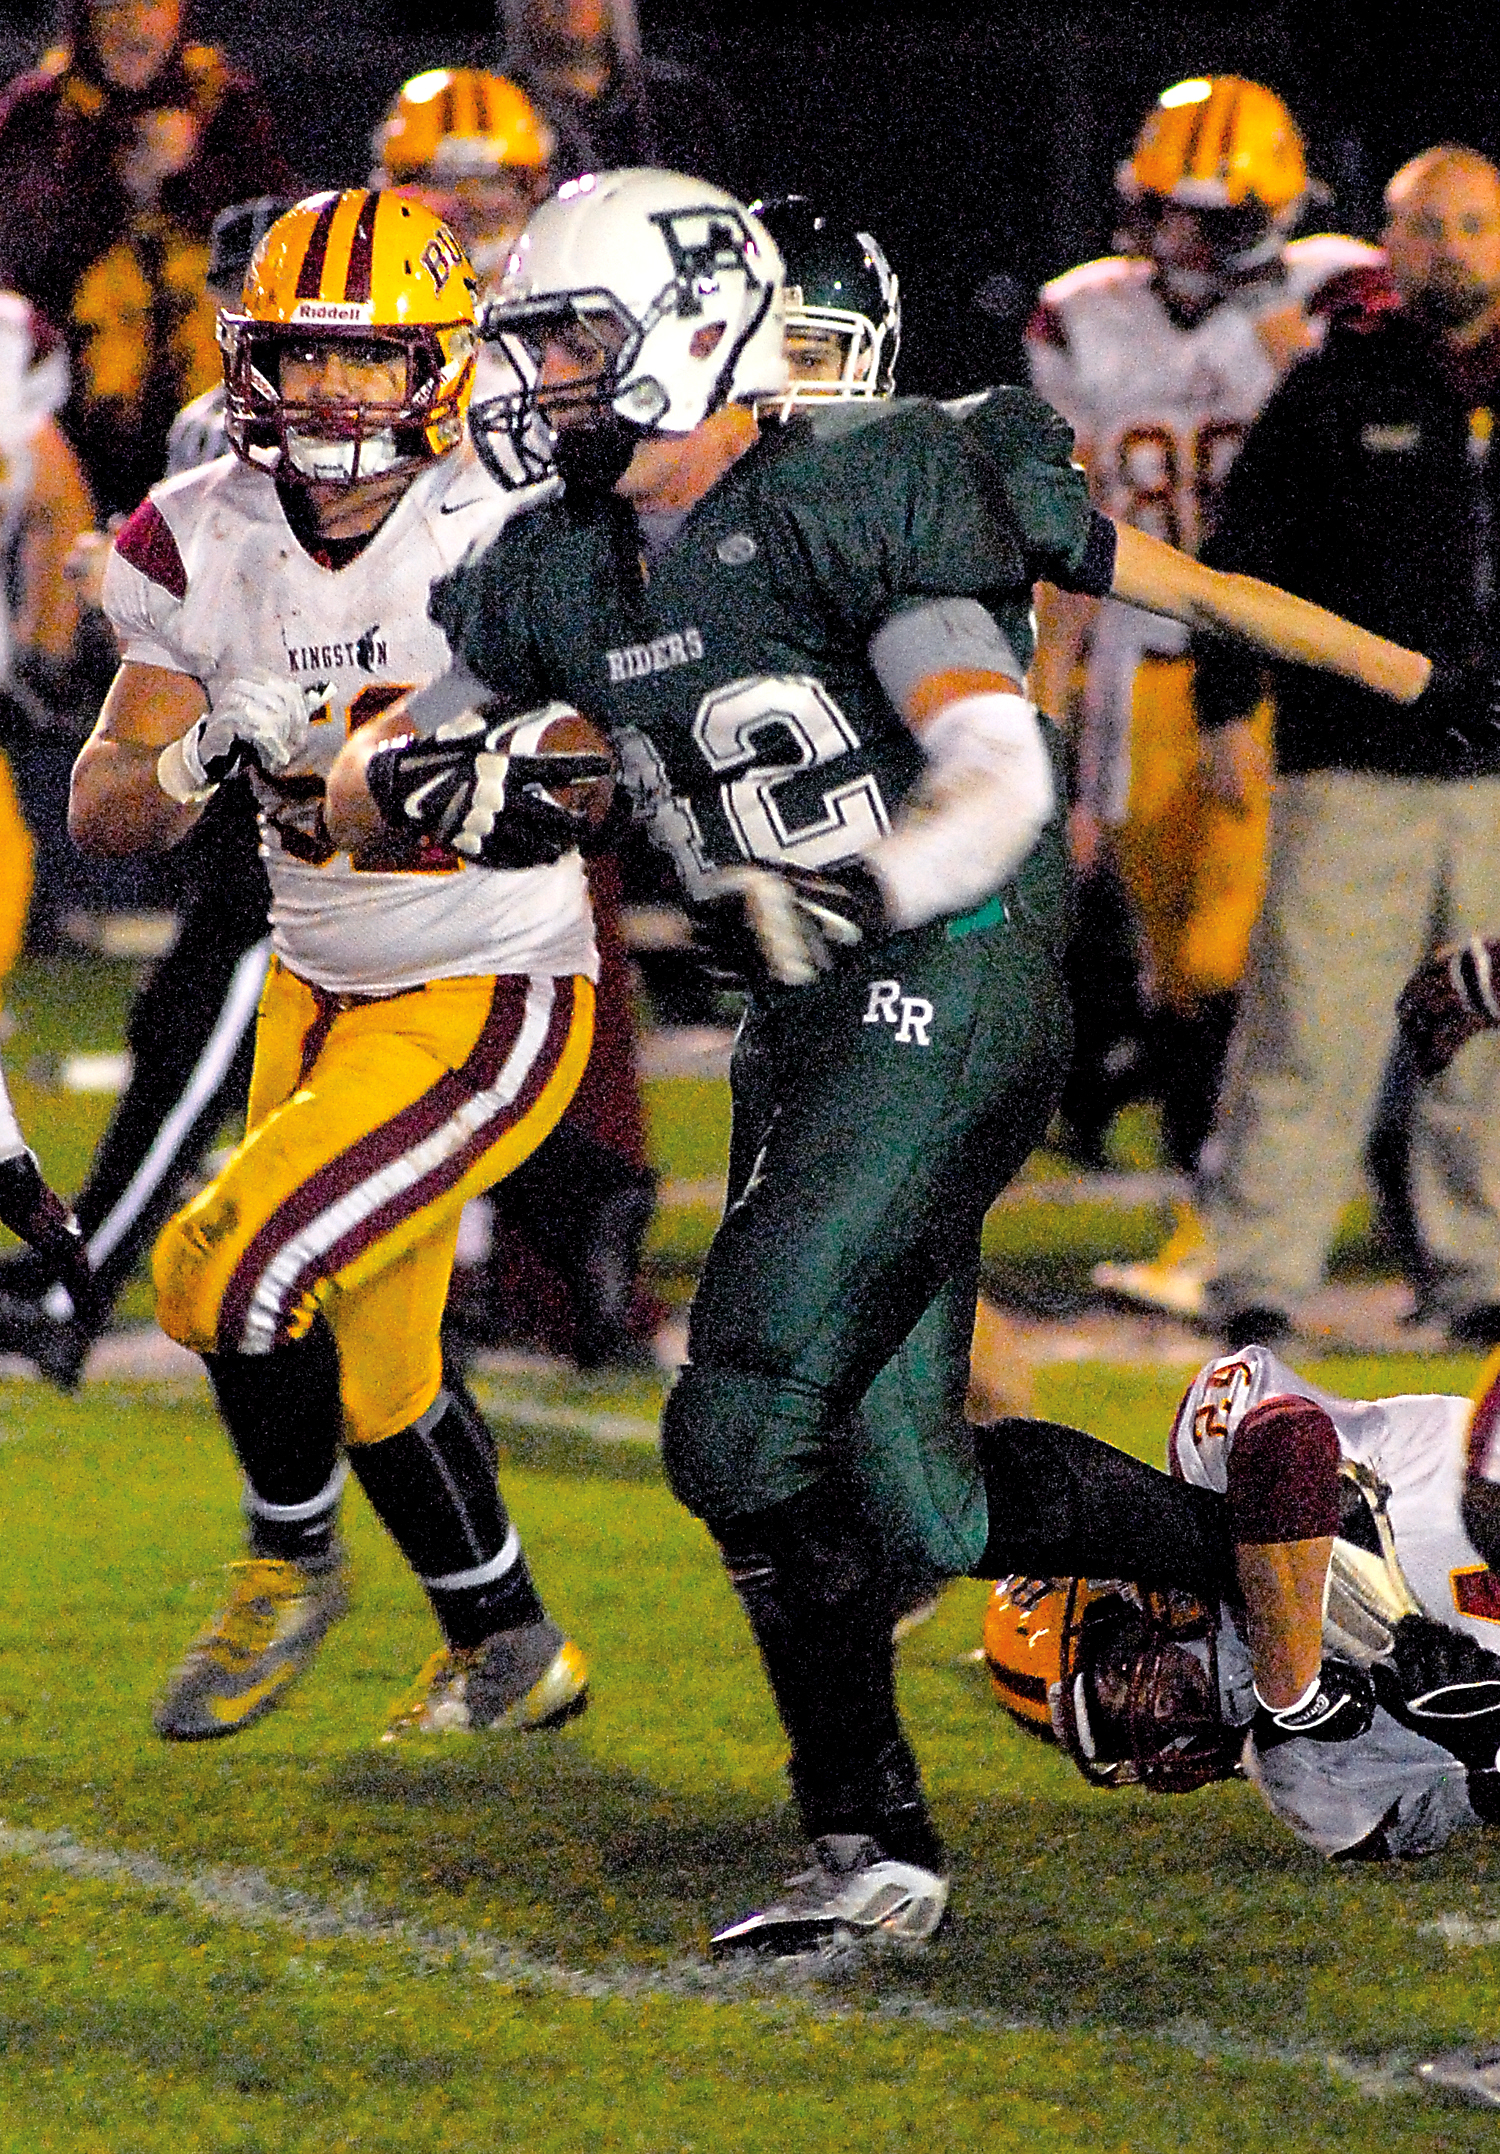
(422, 1025)
(1159, 358)
(473, 147)
(1355, 1676)
(808, 642)
(44, 505)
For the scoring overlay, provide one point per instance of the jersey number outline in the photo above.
(1170, 480)
(725, 729)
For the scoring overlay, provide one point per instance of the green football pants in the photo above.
(876, 1118)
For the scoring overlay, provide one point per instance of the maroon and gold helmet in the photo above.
(1137, 1699)
(371, 274)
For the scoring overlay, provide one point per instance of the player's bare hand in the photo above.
(1234, 766)
(1448, 999)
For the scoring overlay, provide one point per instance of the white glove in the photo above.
(260, 718)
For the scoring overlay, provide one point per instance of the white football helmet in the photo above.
(631, 272)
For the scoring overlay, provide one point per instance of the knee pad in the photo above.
(736, 1442)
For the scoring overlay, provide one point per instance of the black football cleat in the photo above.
(59, 1346)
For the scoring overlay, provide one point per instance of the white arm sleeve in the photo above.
(985, 796)
(987, 789)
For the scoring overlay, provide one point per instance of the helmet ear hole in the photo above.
(706, 340)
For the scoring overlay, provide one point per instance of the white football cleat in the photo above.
(853, 1892)
(1173, 1282)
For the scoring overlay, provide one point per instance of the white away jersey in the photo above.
(207, 579)
(1334, 1795)
(1159, 412)
(33, 387)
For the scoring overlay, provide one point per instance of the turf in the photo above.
(304, 1939)
(1121, 1972)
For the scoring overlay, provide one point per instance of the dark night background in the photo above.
(977, 141)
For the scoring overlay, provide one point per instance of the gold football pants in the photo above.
(370, 1125)
(17, 864)
(1194, 868)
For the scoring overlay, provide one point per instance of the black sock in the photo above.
(284, 1420)
(433, 1488)
(1065, 1505)
(813, 1589)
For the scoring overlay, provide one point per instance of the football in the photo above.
(565, 733)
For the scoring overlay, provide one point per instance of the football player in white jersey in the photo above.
(1159, 358)
(424, 1023)
(1355, 1679)
(44, 504)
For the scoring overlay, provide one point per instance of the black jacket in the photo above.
(1370, 484)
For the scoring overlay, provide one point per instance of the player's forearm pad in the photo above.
(986, 795)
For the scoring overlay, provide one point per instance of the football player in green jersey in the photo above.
(808, 642)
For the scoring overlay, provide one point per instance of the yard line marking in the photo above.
(505, 1406)
(1460, 1931)
(1117, 1192)
(248, 1899)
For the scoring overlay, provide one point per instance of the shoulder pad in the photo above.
(1089, 278)
(1012, 423)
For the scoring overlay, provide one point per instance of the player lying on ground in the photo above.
(809, 642)
(423, 1025)
(1353, 1675)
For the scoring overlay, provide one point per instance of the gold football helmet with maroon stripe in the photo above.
(1219, 142)
(1023, 1621)
(377, 277)
(460, 121)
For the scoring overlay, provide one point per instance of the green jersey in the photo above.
(733, 669)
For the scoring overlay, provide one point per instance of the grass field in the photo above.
(303, 1940)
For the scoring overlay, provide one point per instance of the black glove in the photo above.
(1342, 1706)
(35, 1212)
(787, 927)
(1447, 1000)
(1444, 1686)
(464, 787)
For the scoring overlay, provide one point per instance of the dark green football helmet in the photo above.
(843, 303)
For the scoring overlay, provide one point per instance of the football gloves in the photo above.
(1447, 1000)
(259, 719)
(480, 786)
(42, 1220)
(1446, 1687)
(1337, 1705)
(788, 927)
